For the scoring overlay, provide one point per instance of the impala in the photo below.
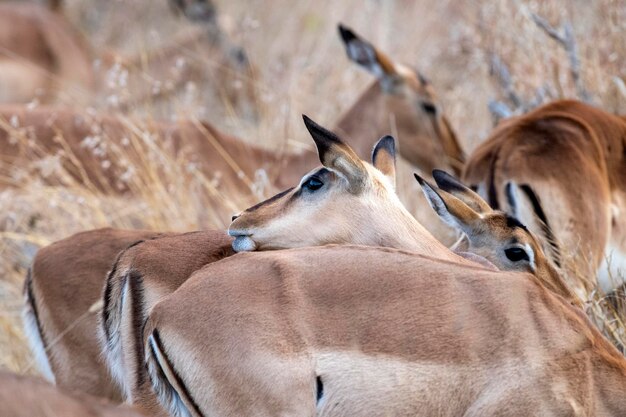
(402, 101)
(568, 160)
(41, 55)
(47, 283)
(62, 274)
(354, 331)
(492, 234)
(22, 396)
(400, 94)
(344, 201)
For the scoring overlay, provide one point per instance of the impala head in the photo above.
(195, 10)
(344, 200)
(493, 234)
(395, 79)
(405, 101)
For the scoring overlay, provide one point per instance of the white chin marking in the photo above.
(243, 244)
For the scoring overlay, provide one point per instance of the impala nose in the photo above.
(235, 217)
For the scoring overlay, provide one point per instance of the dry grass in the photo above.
(302, 68)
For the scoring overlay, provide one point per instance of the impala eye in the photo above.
(516, 254)
(313, 184)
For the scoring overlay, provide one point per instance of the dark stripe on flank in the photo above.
(319, 387)
(28, 289)
(545, 226)
(429, 107)
(179, 381)
(135, 287)
(108, 288)
(269, 200)
(492, 194)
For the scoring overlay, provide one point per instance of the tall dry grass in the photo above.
(302, 68)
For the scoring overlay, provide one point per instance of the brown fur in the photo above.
(386, 331)
(22, 396)
(40, 50)
(66, 280)
(47, 131)
(426, 138)
(572, 155)
(158, 266)
(162, 265)
(491, 233)
(45, 278)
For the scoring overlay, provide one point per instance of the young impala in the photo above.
(62, 274)
(568, 160)
(402, 101)
(41, 55)
(213, 152)
(344, 201)
(493, 234)
(355, 331)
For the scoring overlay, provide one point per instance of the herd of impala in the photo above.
(330, 298)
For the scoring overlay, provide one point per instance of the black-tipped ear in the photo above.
(323, 138)
(451, 209)
(435, 201)
(336, 155)
(366, 55)
(447, 182)
(346, 33)
(384, 157)
(452, 185)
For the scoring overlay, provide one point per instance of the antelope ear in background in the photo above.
(365, 54)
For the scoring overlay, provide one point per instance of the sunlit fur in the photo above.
(388, 332)
(357, 204)
(490, 233)
(568, 159)
(401, 101)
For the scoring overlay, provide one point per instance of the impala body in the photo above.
(349, 330)
(61, 275)
(568, 160)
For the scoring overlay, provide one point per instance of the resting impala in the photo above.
(355, 331)
(402, 101)
(60, 337)
(48, 282)
(146, 273)
(22, 396)
(364, 207)
(568, 159)
(43, 56)
(493, 234)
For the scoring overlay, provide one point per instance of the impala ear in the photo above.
(365, 54)
(338, 156)
(452, 210)
(455, 187)
(384, 157)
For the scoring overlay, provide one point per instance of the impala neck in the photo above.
(552, 280)
(404, 232)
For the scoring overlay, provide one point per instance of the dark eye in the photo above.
(516, 254)
(313, 184)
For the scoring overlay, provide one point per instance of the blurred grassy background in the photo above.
(301, 67)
